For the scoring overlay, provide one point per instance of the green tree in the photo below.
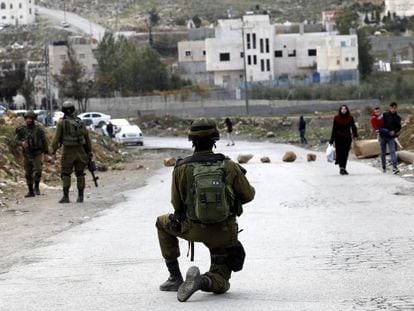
(72, 80)
(197, 21)
(366, 60)
(346, 20)
(11, 82)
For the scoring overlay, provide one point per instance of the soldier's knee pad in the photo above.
(235, 257)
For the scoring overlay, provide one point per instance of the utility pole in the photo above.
(48, 102)
(245, 71)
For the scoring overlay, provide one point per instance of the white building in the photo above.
(251, 47)
(400, 7)
(17, 12)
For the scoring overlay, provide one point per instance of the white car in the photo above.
(117, 124)
(64, 24)
(98, 119)
(57, 115)
(130, 134)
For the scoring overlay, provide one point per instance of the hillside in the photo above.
(132, 14)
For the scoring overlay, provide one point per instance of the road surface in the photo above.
(315, 240)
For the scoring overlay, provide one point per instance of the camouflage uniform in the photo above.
(218, 237)
(34, 143)
(76, 151)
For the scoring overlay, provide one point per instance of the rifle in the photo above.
(92, 169)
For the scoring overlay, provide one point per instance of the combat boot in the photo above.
(193, 282)
(36, 188)
(80, 196)
(175, 279)
(31, 193)
(65, 198)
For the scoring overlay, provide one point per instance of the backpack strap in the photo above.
(201, 158)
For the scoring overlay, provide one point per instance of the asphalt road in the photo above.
(315, 240)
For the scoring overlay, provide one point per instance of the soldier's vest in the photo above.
(73, 132)
(209, 196)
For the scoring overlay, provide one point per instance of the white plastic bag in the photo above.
(330, 153)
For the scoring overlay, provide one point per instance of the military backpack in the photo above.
(73, 132)
(209, 197)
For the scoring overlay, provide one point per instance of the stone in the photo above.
(265, 159)
(311, 157)
(289, 156)
(169, 162)
(244, 158)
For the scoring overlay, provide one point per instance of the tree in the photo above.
(346, 20)
(154, 18)
(197, 21)
(11, 82)
(366, 60)
(72, 80)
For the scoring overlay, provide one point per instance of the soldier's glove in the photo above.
(175, 222)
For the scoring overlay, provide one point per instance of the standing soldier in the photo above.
(208, 191)
(33, 140)
(77, 150)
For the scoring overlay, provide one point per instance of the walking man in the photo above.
(77, 150)
(229, 126)
(390, 131)
(33, 140)
(208, 191)
(302, 130)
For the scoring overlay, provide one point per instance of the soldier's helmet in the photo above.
(30, 114)
(68, 107)
(203, 128)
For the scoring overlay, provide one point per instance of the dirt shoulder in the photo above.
(25, 223)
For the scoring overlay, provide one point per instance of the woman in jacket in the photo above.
(343, 131)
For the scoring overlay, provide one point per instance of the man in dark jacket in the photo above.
(33, 140)
(390, 131)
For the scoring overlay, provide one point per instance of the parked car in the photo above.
(57, 115)
(117, 123)
(64, 24)
(2, 110)
(98, 119)
(41, 115)
(130, 134)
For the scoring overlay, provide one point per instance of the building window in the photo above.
(241, 54)
(224, 57)
(267, 46)
(343, 44)
(187, 53)
(353, 42)
(21, 16)
(262, 67)
(82, 56)
(352, 59)
(3, 6)
(312, 52)
(20, 5)
(254, 59)
(3, 17)
(248, 41)
(268, 64)
(204, 52)
(249, 59)
(338, 62)
(30, 11)
(254, 41)
(347, 59)
(11, 5)
(278, 53)
(292, 53)
(261, 46)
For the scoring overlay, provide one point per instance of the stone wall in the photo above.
(161, 105)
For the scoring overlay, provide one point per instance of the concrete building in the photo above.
(250, 47)
(400, 7)
(84, 49)
(17, 12)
